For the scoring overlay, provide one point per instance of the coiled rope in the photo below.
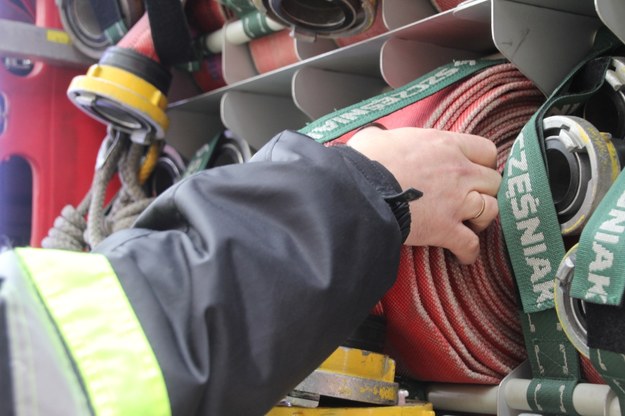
(82, 227)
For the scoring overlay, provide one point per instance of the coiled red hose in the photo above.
(449, 322)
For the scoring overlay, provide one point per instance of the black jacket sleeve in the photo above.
(246, 277)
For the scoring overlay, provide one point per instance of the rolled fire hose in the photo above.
(589, 280)
(273, 51)
(210, 76)
(235, 22)
(278, 50)
(445, 321)
(206, 16)
(270, 45)
(262, 25)
(470, 309)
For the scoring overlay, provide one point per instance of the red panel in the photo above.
(57, 139)
(47, 14)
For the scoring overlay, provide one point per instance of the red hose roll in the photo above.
(206, 16)
(210, 76)
(273, 51)
(449, 322)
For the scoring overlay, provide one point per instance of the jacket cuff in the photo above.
(385, 184)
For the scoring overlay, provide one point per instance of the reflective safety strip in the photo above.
(101, 331)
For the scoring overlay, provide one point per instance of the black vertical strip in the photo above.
(6, 386)
(170, 32)
(606, 327)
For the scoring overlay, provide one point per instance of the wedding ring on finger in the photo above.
(481, 211)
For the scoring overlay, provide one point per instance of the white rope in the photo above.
(81, 228)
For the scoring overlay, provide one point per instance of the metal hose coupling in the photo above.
(310, 19)
(94, 25)
(127, 91)
(583, 163)
(571, 311)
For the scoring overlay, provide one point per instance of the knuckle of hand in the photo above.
(473, 245)
(465, 170)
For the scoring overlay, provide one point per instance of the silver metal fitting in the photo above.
(571, 311)
(583, 164)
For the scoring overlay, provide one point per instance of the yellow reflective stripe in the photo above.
(100, 328)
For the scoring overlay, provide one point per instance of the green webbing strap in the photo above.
(202, 156)
(599, 275)
(336, 124)
(551, 396)
(600, 266)
(239, 7)
(535, 246)
(554, 363)
(101, 331)
(116, 31)
(611, 366)
(255, 25)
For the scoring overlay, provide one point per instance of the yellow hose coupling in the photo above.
(126, 90)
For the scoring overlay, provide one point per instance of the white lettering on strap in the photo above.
(603, 248)
(524, 207)
(380, 103)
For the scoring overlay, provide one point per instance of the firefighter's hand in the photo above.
(456, 173)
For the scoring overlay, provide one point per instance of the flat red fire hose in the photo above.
(448, 322)
(467, 313)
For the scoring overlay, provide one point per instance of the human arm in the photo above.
(266, 267)
(246, 277)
